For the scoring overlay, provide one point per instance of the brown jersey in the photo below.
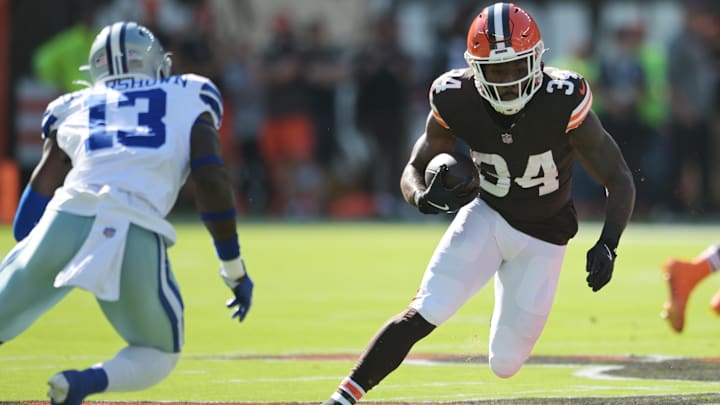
(525, 160)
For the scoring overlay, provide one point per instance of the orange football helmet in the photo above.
(503, 33)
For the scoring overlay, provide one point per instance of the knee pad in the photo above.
(135, 368)
(504, 367)
(508, 352)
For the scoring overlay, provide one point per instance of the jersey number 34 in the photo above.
(540, 172)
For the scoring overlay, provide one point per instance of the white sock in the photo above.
(135, 368)
(712, 254)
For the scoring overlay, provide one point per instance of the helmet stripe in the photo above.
(123, 55)
(507, 36)
(499, 25)
(489, 11)
(115, 46)
(108, 52)
(116, 52)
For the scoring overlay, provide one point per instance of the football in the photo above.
(460, 167)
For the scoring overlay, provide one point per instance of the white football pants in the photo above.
(478, 244)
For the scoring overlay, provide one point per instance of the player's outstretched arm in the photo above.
(216, 204)
(601, 157)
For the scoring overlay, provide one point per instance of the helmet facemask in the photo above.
(509, 95)
(140, 63)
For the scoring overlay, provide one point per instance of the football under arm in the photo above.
(601, 157)
(433, 141)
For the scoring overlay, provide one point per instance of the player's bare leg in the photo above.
(682, 277)
(384, 354)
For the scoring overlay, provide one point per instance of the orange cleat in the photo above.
(681, 277)
(715, 303)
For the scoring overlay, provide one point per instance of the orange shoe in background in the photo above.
(715, 303)
(682, 277)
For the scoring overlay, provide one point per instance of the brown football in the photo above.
(460, 167)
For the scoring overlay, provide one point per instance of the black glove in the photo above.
(436, 198)
(600, 263)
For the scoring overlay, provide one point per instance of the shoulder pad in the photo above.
(557, 73)
(56, 110)
(575, 89)
(209, 95)
(448, 81)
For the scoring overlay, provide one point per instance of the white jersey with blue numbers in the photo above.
(129, 142)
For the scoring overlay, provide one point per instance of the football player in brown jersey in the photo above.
(525, 123)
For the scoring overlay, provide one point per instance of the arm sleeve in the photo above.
(30, 209)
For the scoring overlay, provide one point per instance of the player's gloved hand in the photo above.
(436, 198)
(242, 288)
(600, 263)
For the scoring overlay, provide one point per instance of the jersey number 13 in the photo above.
(140, 111)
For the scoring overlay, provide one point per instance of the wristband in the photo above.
(205, 160)
(227, 249)
(233, 270)
(30, 208)
(610, 234)
(217, 216)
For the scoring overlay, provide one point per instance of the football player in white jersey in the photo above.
(115, 156)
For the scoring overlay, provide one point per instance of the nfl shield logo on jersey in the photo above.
(109, 232)
(507, 138)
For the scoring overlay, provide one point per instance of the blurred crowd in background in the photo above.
(324, 98)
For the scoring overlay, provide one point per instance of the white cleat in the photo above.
(59, 388)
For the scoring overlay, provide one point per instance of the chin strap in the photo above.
(82, 83)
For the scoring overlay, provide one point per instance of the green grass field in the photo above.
(322, 290)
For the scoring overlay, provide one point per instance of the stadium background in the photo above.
(324, 98)
(313, 277)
